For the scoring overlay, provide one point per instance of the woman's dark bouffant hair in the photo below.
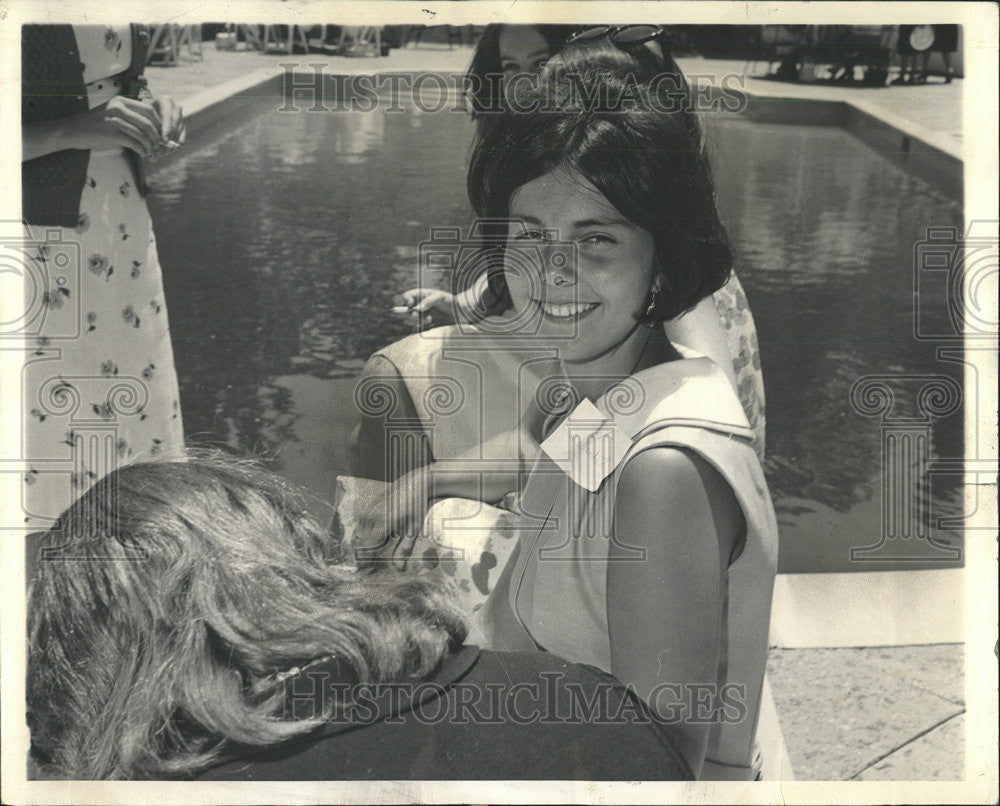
(624, 121)
(176, 593)
(485, 74)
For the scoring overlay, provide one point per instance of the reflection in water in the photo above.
(825, 232)
(284, 240)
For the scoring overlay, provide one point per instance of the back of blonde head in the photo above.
(169, 595)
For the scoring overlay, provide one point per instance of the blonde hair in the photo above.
(169, 594)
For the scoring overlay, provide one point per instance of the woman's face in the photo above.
(522, 49)
(578, 271)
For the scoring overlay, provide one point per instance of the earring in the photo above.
(654, 299)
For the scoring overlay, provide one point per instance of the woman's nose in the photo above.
(560, 268)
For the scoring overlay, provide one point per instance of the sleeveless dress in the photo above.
(99, 385)
(552, 594)
(469, 391)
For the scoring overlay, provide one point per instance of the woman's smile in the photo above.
(566, 310)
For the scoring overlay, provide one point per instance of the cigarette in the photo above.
(402, 309)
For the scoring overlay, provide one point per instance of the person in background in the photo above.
(911, 45)
(721, 327)
(190, 619)
(103, 344)
(946, 43)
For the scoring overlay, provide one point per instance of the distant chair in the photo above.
(454, 34)
(360, 40)
(778, 43)
(190, 38)
(874, 45)
(284, 38)
(251, 35)
(164, 49)
(845, 47)
(167, 41)
(322, 38)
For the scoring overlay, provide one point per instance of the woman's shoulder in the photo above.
(419, 341)
(427, 342)
(452, 350)
(671, 484)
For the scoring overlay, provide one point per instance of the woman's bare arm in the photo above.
(391, 442)
(664, 610)
(121, 123)
(402, 508)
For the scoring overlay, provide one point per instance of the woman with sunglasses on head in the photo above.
(647, 543)
(721, 327)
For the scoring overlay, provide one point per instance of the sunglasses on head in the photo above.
(618, 34)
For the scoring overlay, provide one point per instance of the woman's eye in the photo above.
(529, 235)
(598, 240)
(540, 65)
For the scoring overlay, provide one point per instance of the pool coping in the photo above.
(210, 105)
(929, 154)
(920, 151)
(802, 615)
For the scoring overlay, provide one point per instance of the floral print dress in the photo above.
(741, 338)
(99, 382)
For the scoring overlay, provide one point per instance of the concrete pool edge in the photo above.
(208, 106)
(868, 608)
(928, 154)
(915, 149)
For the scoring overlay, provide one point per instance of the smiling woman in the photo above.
(609, 281)
(646, 540)
(721, 327)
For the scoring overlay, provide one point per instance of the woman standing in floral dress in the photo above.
(99, 384)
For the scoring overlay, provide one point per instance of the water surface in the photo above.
(283, 238)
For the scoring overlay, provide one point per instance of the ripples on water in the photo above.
(284, 240)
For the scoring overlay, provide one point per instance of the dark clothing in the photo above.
(903, 45)
(945, 38)
(483, 716)
(52, 88)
